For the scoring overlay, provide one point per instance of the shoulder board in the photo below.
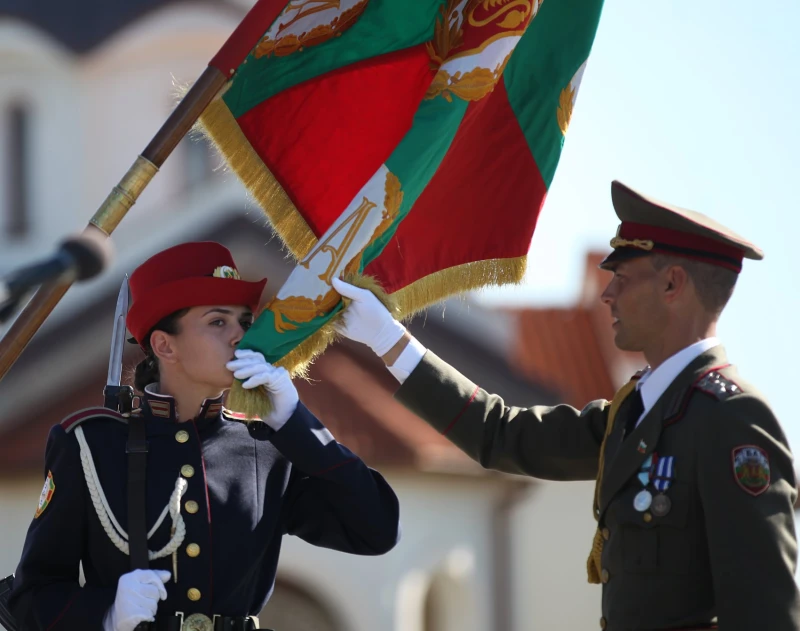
(230, 415)
(81, 416)
(717, 385)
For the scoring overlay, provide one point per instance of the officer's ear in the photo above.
(676, 281)
(163, 347)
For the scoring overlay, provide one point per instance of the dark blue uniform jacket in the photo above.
(247, 486)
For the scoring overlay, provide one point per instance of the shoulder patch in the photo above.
(47, 494)
(717, 385)
(81, 416)
(751, 468)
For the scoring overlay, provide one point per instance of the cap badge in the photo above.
(641, 244)
(226, 271)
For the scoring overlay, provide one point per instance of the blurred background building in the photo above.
(83, 87)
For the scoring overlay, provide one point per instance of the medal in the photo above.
(661, 505)
(642, 500)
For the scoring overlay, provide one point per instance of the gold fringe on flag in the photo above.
(458, 279)
(220, 127)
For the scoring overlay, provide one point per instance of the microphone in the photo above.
(78, 258)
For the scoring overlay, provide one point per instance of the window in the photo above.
(17, 161)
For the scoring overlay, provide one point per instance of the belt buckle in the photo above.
(197, 622)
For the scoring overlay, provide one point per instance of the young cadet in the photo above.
(220, 493)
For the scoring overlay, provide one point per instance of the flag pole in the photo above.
(124, 195)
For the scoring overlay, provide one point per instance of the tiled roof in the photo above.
(571, 350)
(559, 348)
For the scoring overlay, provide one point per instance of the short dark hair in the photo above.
(714, 284)
(146, 371)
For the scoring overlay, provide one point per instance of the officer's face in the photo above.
(633, 296)
(206, 341)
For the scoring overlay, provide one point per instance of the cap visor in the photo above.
(621, 254)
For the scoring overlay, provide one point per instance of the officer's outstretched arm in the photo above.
(747, 488)
(557, 443)
(553, 443)
(333, 499)
(46, 593)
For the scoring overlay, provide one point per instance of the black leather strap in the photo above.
(137, 493)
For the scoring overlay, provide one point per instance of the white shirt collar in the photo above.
(655, 382)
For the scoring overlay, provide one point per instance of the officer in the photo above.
(220, 493)
(695, 485)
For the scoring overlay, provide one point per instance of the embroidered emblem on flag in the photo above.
(47, 495)
(751, 468)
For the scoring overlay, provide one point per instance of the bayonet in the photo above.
(116, 396)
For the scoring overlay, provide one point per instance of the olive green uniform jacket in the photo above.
(725, 551)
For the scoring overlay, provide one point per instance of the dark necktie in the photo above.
(635, 407)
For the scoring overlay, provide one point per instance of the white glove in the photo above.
(138, 593)
(366, 320)
(252, 366)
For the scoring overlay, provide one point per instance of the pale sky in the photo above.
(693, 102)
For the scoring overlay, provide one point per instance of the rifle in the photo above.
(115, 397)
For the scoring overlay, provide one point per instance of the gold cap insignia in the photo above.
(226, 272)
(641, 244)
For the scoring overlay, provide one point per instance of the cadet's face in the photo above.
(636, 304)
(207, 339)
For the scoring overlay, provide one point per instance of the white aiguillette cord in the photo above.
(110, 524)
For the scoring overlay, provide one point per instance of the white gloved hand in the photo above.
(366, 320)
(138, 593)
(252, 366)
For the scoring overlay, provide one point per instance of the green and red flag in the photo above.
(411, 142)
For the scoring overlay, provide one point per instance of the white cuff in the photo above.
(409, 359)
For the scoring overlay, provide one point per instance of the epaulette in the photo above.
(713, 383)
(717, 385)
(230, 415)
(81, 416)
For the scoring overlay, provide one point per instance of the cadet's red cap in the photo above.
(187, 275)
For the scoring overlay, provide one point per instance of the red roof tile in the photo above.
(558, 348)
(572, 350)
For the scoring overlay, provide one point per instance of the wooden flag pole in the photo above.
(125, 194)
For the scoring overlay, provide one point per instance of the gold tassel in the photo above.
(220, 127)
(594, 562)
(255, 403)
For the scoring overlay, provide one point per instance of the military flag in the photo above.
(410, 143)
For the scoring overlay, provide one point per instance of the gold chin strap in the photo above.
(640, 244)
(595, 556)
